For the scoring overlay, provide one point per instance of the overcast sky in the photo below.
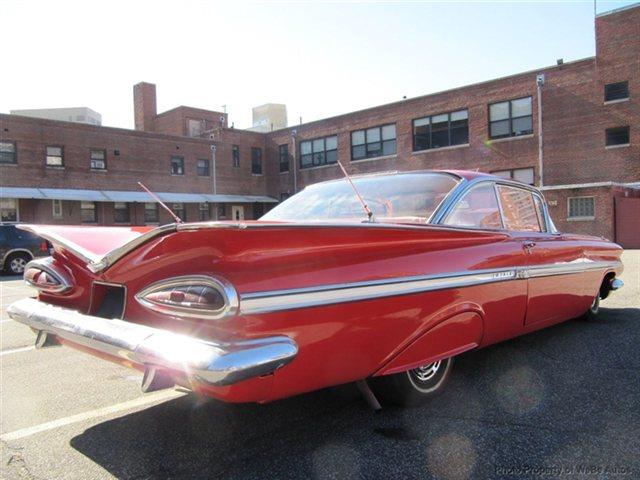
(319, 59)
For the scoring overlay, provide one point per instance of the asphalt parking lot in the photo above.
(561, 402)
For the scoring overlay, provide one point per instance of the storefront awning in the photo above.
(21, 192)
(74, 194)
(127, 196)
(239, 199)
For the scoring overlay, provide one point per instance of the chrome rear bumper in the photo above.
(211, 363)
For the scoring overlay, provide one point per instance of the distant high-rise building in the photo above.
(73, 114)
(269, 117)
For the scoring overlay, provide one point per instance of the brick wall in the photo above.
(141, 157)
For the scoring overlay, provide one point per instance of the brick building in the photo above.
(571, 129)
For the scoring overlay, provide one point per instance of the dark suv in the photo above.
(18, 247)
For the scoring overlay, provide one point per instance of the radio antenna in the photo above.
(366, 208)
(155, 197)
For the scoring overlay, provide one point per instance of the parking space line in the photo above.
(99, 412)
(17, 350)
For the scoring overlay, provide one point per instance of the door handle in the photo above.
(528, 245)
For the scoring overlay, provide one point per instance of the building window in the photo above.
(318, 152)
(121, 212)
(524, 175)
(373, 142)
(177, 165)
(55, 156)
(444, 130)
(283, 155)
(180, 211)
(151, 214)
(195, 127)
(203, 167)
(616, 91)
(581, 208)
(617, 136)
(204, 212)
(235, 156)
(222, 211)
(56, 208)
(98, 159)
(511, 118)
(88, 212)
(256, 160)
(7, 152)
(258, 210)
(8, 209)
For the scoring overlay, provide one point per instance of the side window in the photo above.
(518, 209)
(540, 212)
(477, 209)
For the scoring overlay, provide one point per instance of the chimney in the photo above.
(144, 106)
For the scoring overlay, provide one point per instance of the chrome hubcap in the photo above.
(426, 372)
(18, 264)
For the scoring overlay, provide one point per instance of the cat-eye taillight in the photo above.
(43, 275)
(195, 296)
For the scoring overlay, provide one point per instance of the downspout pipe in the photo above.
(540, 82)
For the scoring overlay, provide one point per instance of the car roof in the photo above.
(462, 174)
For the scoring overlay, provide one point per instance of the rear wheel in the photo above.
(16, 262)
(414, 386)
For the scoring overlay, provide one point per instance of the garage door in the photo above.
(628, 222)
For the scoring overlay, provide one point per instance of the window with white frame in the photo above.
(511, 118)
(180, 211)
(443, 130)
(524, 175)
(318, 152)
(56, 206)
(55, 156)
(98, 159)
(8, 209)
(7, 152)
(151, 214)
(121, 212)
(204, 212)
(88, 212)
(373, 142)
(581, 208)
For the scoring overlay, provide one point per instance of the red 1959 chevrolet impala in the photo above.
(382, 280)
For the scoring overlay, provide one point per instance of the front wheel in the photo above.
(413, 386)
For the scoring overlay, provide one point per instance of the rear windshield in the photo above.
(411, 198)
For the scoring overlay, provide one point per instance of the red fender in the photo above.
(451, 337)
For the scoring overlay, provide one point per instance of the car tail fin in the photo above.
(96, 246)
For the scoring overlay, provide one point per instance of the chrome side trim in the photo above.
(261, 302)
(277, 300)
(227, 291)
(208, 362)
(567, 268)
(45, 264)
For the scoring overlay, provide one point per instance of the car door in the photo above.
(553, 294)
(505, 303)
